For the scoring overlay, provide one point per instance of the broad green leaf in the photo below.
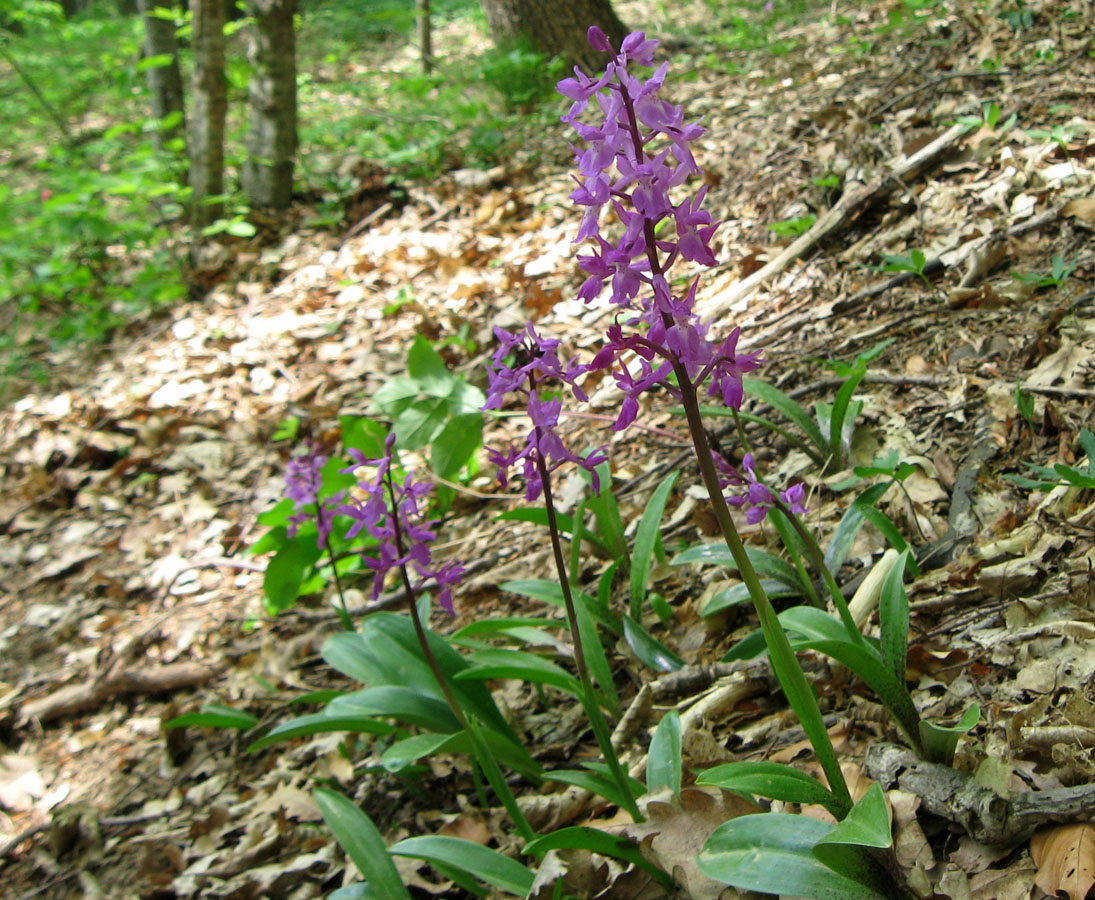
(321, 723)
(663, 762)
(403, 753)
(893, 617)
(596, 659)
(594, 782)
(421, 423)
(395, 395)
(285, 573)
(648, 649)
(403, 704)
(717, 553)
(583, 838)
(485, 664)
(866, 825)
(484, 863)
(428, 369)
(609, 525)
(771, 780)
(1087, 441)
(504, 624)
(773, 853)
(840, 544)
(778, 400)
(889, 531)
(1074, 476)
(646, 536)
(940, 741)
(215, 715)
(358, 836)
(739, 593)
(550, 592)
(456, 444)
(363, 434)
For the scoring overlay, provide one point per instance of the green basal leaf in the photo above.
(550, 592)
(408, 751)
(403, 704)
(504, 624)
(594, 782)
(840, 544)
(582, 838)
(940, 741)
(1087, 441)
(215, 715)
(538, 516)
(889, 531)
(739, 593)
(486, 864)
(646, 537)
(650, 651)
(773, 853)
(775, 398)
(663, 763)
(322, 723)
(767, 565)
(358, 836)
(893, 616)
(609, 525)
(596, 659)
(771, 780)
(518, 664)
(867, 825)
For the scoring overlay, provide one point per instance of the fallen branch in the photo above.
(985, 815)
(847, 207)
(75, 698)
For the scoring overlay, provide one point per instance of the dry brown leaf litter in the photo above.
(132, 492)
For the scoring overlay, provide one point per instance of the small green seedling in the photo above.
(1059, 273)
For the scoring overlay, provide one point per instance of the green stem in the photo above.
(589, 695)
(784, 662)
(482, 753)
(343, 612)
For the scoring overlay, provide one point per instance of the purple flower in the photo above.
(524, 364)
(394, 515)
(757, 498)
(303, 484)
(636, 156)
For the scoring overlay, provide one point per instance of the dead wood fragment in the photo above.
(74, 698)
(982, 813)
(854, 199)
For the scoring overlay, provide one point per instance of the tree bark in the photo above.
(555, 27)
(164, 82)
(272, 139)
(210, 107)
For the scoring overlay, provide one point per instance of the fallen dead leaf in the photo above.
(1065, 857)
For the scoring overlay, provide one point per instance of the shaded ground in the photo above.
(132, 492)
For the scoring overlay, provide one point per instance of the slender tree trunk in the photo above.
(210, 106)
(164, 82)
(425, 35)
(272, 140)
(555, 27)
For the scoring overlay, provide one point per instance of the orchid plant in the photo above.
(640, 225)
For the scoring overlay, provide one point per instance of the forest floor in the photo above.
(131, 489)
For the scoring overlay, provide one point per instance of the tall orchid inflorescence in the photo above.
(635, 155)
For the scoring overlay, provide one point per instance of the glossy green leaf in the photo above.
(403, 704)
(772, 780)
(321, 723)
(650, 651)
(893, 617)
(456, 444)
(866, 825)
(215, 715)
(940, 741)
(739, 593)
(843, 538)
(538, 516)
(773, 853)
(642, 554)
(358, 836)
(766, 565)
(484, 863)
(609, 525)
(285, 573)
(663, 762)
(404, 753)
(594, 782)
(428, 369)
(421, 422)
(582, 838)
(550, 592)
(518, 664)
(778, 400)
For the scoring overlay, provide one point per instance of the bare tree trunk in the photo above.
(210, 107)
(272, 139)
(425, 35)
(164, 82)
(555, 27)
